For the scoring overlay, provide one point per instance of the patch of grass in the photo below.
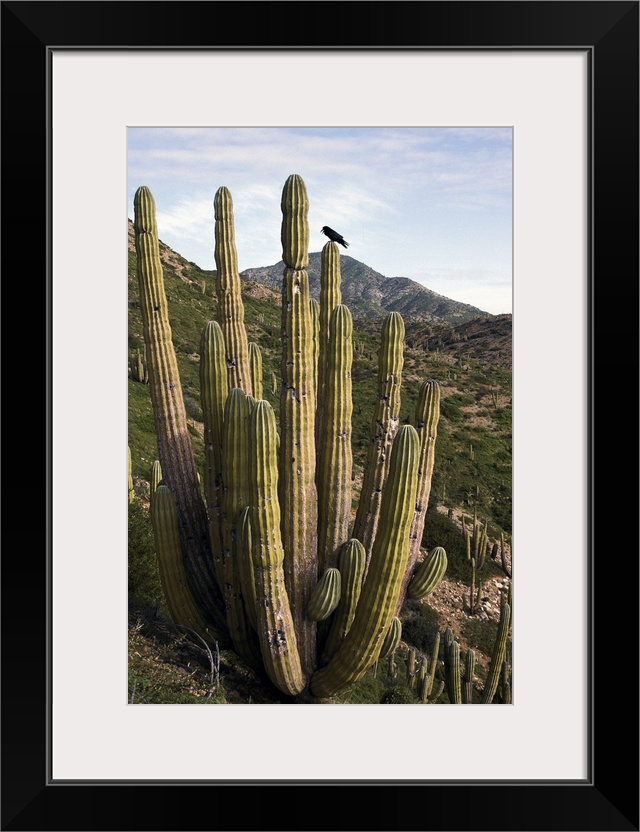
(168, 671)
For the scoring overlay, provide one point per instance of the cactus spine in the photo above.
(228, 291)
(335, 460)
(386, 419)
(298, 495)
(390, 552)
(175, 452)
(277, 637)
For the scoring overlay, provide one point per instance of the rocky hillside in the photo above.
(371, 295)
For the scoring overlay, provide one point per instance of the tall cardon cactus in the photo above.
(273, 560)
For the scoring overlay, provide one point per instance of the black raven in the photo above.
(333, 235)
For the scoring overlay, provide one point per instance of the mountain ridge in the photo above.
(369, 293)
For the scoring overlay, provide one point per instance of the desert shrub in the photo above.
(398, 695)
(192, 407)
(420, 625)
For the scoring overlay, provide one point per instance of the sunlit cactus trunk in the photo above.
(213, 395)
(255, 363)
(276, 632)
(235, 476)
(315, 322)
(335, 460)
(427, 415)
(375, 611)
(229, 294)
(182, 606)
(297, 489)
(175, 452)
(384, 425)
(330, 297)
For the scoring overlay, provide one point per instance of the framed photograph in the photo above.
(562, 80)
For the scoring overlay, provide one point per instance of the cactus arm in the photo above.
(294, 230)
(314, 306)
(386, 419)
(245, 566)
(236, 496)
(297, 487)
(351, 562)
(330, 297)
(498, 655)
(277, 637)
(376, 607)
(335, 460)
(180, 601)
(229, 293)
(429, 574)
(392, 638)
(427, 415)
(325, 596)
(213, 394)
(175, 451)
(452, 669)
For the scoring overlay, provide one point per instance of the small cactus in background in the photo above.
(255, 363)
(469, 671)
(130, 490)
(392, 638)
(453, 679)
(138, 368)
(156, 477)
(498, 655)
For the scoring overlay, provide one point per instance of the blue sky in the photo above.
(433, 204)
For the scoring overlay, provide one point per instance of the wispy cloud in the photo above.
(408, 200)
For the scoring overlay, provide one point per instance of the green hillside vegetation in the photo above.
(472, 474)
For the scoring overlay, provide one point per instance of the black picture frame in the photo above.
(608, 800)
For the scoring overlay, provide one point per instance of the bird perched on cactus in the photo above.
(333, 235)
